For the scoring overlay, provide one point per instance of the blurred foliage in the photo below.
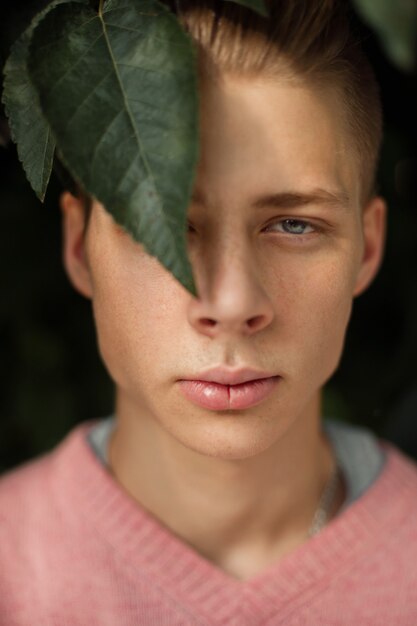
(255, 5)
(51, 376)
(396, 24)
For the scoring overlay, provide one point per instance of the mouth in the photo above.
(220, 397)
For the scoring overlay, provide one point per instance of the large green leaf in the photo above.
(256, 5)
(119, 89)
(28, 126)
(396, 24)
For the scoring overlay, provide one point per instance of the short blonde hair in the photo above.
(311, 40)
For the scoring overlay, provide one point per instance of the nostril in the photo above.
(206, 321)
(253, 321)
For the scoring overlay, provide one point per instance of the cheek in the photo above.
(313, 302)
(134, 303)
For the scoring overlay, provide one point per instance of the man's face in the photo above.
(275, 281)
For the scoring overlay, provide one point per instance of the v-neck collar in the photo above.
(143, 542)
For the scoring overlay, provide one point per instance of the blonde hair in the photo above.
(311, 40)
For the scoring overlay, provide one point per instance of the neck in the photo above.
(239, 514)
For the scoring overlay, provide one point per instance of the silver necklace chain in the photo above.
(323, 509)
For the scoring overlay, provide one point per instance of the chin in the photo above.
(231, 435)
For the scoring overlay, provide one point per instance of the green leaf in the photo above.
(29, 128)
(256, 5)
(396, 25)
(119, 89)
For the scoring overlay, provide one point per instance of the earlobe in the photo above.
(73, 235)
(374, 228)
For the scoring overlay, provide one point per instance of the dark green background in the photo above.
(50, 374)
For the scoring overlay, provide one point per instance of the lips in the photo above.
(219, 396)
(226, 376)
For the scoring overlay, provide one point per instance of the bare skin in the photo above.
(240, 487)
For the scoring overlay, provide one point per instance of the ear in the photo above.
(373, 227)
(73, 235)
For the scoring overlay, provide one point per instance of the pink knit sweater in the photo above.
(77, 550)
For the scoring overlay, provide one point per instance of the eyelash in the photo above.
(297, 222)
(299, 236)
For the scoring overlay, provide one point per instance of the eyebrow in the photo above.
(292, 199)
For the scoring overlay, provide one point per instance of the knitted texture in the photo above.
(77, 550)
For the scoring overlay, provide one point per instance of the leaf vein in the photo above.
(102, 138)
(124, 174)
(54, 41)
(49, 138)
(122, 9)
(139, 143)
(152, 70)
(163, 40)
(84, 100)
(71, 67)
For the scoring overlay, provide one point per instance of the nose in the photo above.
(231, 298)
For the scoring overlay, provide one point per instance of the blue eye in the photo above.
(294, 227)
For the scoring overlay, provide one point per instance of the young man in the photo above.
(209, 498)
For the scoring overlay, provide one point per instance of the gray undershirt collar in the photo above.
(358, 453)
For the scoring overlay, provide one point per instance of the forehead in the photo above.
(259, 136)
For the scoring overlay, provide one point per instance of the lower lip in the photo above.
(225, 397)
